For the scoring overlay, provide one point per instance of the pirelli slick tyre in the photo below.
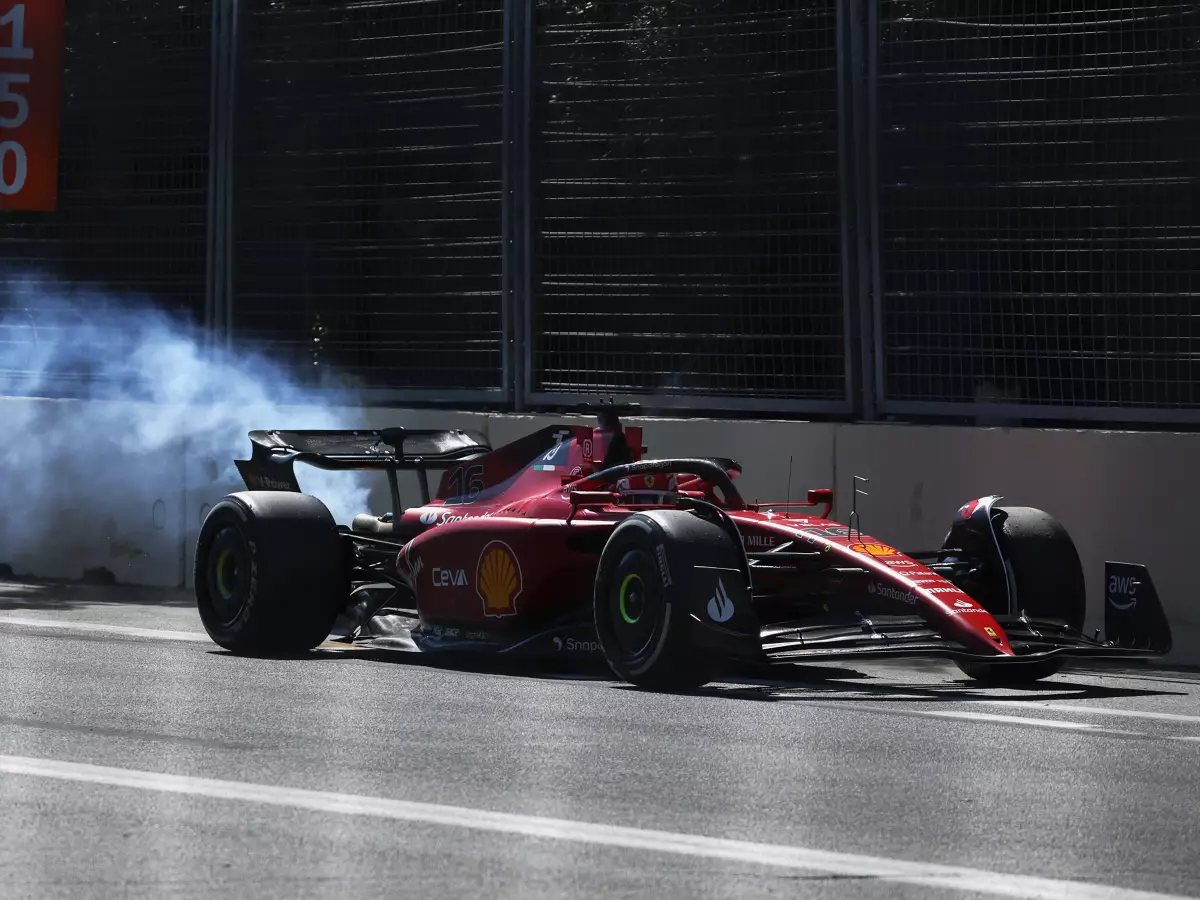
(271, 573)
(641, 603)
(1048, 577)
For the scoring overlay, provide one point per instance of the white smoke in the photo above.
(156, 401)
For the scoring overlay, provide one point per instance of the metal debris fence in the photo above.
(872, 208)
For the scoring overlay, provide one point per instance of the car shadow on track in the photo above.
(62, 595)
(813, 684)
(918, 694)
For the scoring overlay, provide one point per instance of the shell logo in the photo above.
(873, 549)
(498, 580)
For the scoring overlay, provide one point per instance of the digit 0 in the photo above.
(20, 168)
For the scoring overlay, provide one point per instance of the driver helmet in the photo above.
(648, 490)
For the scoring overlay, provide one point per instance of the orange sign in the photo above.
(873, 549)
(498, 579)
(31, 70)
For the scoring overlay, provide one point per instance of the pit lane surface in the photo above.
(139, 760)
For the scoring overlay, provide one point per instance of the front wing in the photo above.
(1135, 627)
(1030, 639)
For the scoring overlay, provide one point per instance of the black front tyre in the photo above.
(642, 598)
(271, 573)
(1048, 577)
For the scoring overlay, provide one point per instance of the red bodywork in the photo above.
(512, 538)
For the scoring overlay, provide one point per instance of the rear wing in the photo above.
(274, 453)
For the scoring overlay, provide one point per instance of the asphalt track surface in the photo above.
(139, 760)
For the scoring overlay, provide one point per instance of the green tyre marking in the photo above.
(224, 589)
(629, 620)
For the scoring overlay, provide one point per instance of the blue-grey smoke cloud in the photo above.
(137, 428)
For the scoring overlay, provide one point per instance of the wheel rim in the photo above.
(227, 575)
(635, 604)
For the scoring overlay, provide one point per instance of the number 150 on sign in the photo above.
(31, 49)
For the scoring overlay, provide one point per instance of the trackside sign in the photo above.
(31, 70)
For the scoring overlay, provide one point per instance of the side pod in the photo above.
(1133, 615)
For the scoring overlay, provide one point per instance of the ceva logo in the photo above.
(449, 577)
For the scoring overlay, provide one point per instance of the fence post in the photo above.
(517, 221)
(873, 347)
(856, 151)
(218, 307)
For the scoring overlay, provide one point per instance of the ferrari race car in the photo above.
(569, 542)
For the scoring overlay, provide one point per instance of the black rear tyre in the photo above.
(1048, 577)
(641, 604)
(271, 573)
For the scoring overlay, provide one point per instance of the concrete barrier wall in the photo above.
(81, 492)
(1122, 495)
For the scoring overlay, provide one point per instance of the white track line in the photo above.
(1034, 706)
(95, 628)
(987, 717)
(929, 875)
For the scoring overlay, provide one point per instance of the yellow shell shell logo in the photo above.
(498, 579)
(873, 549)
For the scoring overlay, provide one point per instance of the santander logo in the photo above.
(892, 593)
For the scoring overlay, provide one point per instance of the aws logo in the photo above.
(498, 580)
(1122, 592)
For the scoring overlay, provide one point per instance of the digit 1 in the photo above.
(17, 49)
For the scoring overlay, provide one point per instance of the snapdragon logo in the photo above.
(891, 593)
(573, 645)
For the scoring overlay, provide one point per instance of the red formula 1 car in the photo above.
(568, 542)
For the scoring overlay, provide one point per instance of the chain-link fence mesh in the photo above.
(1040, 177)
(133, 177)
(1039, 169)
(687, 199)
(367, 203)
